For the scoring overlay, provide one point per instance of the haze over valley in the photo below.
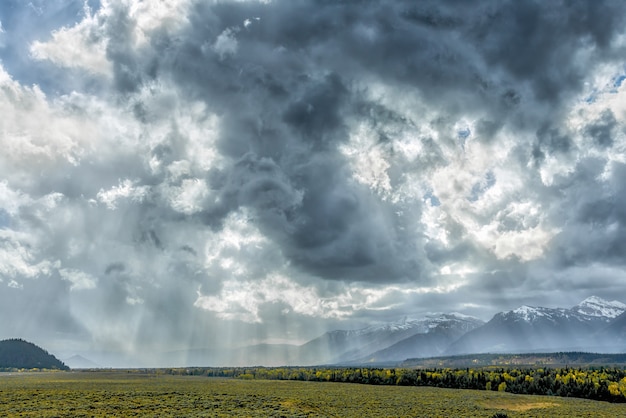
(594, 325)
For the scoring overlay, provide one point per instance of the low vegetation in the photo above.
(155, 393)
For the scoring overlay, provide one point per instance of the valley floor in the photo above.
(131, 393)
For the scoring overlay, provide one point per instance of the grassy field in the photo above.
(106, 394)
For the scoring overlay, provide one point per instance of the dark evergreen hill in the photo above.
(20, 354)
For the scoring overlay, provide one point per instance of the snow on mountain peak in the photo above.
(459, 315)
(418, 325)
(532, 313)
(598, 307)
(527, 313)
(590, 309)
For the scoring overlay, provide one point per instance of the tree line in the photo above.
(602, 383)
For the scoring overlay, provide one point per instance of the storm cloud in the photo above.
(251, 168)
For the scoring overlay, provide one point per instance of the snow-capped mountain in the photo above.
(442, 331)
(403, 325)
(352, 345)
(529, 328)
(594, 325)
(596, 307)
(419, 325)
(524, 329)
(531, 314)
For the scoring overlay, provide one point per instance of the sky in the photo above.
(184, 174)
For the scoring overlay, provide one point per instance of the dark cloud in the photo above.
(121, 28)
(316, 116)
(596, 218)
(115, 268)
(601, 131)
(533, 42)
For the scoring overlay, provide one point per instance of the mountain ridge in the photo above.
(340, 346)
(593, 325)
(528, 328)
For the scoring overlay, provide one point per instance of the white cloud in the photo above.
(527, 244)
(134, 301)
(79, 279)
(368, 160)
(170, 15)
(15, 285)
(238, 250)
(12, 200)
(84, 45)
(242, 300)
(35, 131)
(125, 190)
(189, 197)
(80, 46)
(18, 258)
(226, 43)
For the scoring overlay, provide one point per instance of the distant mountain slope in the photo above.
(346, 345)
(342, 346)
(614, 335)
(528, 329)
(445, 329)
(594, 325)
(430, 334)
(20, 354)
(79, 362)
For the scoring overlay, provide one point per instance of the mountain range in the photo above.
(594, 325)
(388, 342)
(588, 326)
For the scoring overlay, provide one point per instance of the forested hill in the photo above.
(20, 354)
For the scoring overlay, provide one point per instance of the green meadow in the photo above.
(129, 394)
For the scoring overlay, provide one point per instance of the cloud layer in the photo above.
(269, 170)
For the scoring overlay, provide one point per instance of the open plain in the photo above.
(134, 394)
